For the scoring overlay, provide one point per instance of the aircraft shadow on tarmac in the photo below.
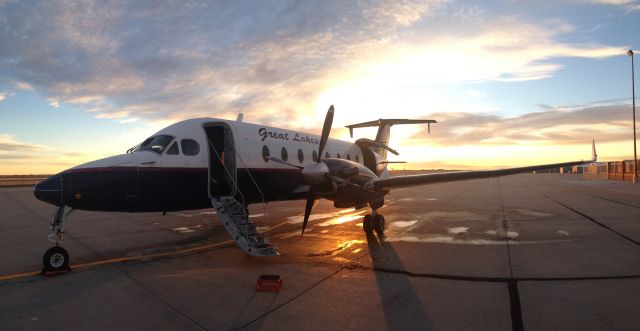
(403, 309)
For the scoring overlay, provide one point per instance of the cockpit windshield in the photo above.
(155, 144)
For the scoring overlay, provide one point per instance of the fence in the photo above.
(621, 170)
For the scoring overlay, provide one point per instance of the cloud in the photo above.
(9, 144)
(629, 5)
(278, 62)
(5, 95)
(552, 126)
(20, 157)
(23, 86)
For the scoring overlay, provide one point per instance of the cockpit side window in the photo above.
(173, 150)
(155, 144)
(189, 147)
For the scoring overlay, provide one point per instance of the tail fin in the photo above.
(384, 129)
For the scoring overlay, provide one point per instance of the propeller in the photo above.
(316, 173)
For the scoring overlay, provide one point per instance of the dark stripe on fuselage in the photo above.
(145, 189)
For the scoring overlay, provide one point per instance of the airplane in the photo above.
(227, 164)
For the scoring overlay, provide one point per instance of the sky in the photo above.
(510, 83)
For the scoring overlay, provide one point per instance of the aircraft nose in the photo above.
(50, 190)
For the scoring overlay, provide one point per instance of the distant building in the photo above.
(596, 170)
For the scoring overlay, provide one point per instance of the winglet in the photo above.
(594, 156)
(240, 117)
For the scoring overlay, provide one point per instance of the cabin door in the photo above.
(222, 160)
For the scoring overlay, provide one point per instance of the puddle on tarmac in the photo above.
(343, 219)
(186, 229)
(532, 213)
(512, 234)
(564, 233)
(403, 224)
(207, 213)
(300, 218)
(456, 241)
(457, 230)
(491, 232)
(344, 246)
(295, 233)
(456, 216)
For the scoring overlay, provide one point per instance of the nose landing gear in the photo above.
(56, 258)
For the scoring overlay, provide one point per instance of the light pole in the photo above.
(633, 98)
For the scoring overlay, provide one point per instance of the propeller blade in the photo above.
(275, 159)
(326, 129)
(311, 198)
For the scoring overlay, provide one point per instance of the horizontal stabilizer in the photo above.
(392, 121)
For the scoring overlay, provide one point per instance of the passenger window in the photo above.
(357, 159)
(348, 157)
(300, 156)
(189, 147)
(173, 150)
(314, 156)
(265, 153)
(283, 154)
(326, 155)
(338, 155)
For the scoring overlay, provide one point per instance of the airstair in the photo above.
(235, 218)
(231, 206)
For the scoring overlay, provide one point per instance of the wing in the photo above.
(402, 181)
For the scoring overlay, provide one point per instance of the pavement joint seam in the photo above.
(491, 279)
(265, 314)
(160, 299)
(514, 296)
(594, 221)
(614, 201)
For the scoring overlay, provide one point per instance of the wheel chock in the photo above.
(269, 283)
(47, 273)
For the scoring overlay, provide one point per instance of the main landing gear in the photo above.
(374, 222)
(56, 258)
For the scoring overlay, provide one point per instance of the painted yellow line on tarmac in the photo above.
(121, 259)
(130, 258)
(19, 275)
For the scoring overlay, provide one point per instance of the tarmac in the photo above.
(532, 251)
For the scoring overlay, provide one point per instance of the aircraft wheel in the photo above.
(56, 258)
(367, 223)
(379, 224)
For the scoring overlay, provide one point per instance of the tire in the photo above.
(367, 223)
(55, 258)
(379, 224)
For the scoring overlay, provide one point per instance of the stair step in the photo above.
(234, 217)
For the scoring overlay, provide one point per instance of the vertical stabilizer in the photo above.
(384, 131)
